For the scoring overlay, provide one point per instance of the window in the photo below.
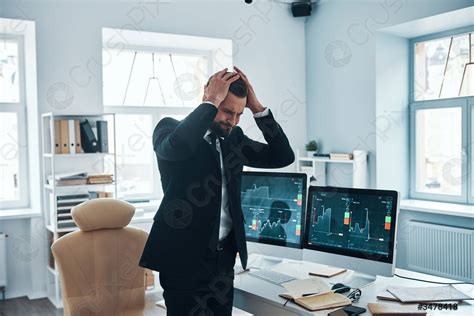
(444, 67)
(438, 152)
(146, 77)
(154, 78)
(134, 154)
(13, 154)
(9, 72)
(441, 117)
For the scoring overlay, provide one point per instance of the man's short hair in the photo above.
(237, 88)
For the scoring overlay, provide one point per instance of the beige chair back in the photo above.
(98, 265)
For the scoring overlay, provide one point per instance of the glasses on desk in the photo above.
(354, 295)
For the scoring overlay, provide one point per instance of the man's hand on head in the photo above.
(218, 86)
(252, 102)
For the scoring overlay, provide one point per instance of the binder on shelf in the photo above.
(89, 141)
(102, 136)
(77, 136)
(72, 137)
(57, 137)
(64, 136)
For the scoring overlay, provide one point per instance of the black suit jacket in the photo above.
(187, 221)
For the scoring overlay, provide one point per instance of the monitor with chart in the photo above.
(352, 228)
(273, 206)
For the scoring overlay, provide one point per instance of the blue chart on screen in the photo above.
(273, 208)
(353, 222)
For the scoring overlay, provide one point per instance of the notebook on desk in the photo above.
(394, 310)
(313, 294)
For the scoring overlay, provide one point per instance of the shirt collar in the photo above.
(208, 138)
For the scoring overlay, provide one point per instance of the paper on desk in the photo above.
(387, 296)
(427, 294)
(313, 286)
(300, 270)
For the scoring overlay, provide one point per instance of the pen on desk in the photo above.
(308, 294)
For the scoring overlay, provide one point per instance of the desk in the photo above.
(260, 297)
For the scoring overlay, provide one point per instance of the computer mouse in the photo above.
(340, 288)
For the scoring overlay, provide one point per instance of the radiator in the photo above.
(3, 260)
(441, 250)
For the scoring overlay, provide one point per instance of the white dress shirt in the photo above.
(225, 225)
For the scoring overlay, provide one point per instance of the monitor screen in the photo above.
(352, 222)
(273, 206)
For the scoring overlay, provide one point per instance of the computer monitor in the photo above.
(353, 229)
(274, 206)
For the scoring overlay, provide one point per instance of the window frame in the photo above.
(162, 49)
(20, 108)
(466, 103)
(218, 50)
(156, 113)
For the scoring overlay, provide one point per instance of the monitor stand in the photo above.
(356, 280)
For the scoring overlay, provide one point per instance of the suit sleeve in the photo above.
(277, 153)
(175, 140)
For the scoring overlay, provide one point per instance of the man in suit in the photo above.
(198, 228)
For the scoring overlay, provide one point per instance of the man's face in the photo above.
(228, 114)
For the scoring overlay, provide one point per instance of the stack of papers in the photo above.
(70, 178)
(427, 294)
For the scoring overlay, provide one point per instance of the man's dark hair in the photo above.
(238, 87)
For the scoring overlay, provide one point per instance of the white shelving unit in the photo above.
(54, 163)
(315, 166)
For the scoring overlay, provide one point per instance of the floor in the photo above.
(43, 307)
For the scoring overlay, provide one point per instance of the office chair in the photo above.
(98, 265)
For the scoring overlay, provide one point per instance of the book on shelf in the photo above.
(70, 178)
(69, 175)
(318, 155)
(67, 182)
(341, 156)
(100, 179)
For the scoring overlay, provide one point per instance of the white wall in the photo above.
(341, 74)
(269, 45)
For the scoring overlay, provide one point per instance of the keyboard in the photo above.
(271, 276)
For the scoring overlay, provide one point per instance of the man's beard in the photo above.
(217, 129)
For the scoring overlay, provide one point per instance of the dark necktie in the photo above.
(213, 138)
